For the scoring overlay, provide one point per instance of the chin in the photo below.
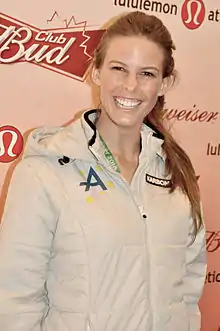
(124, 117)
(126, 122)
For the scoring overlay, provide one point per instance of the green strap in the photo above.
(109, 157)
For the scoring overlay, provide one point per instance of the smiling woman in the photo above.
(130, 80)
(102, 228)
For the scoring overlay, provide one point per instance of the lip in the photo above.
(128, 98)
(127, 108)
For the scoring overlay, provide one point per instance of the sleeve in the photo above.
(26, 234)
(195, 277)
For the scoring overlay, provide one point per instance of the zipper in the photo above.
(147, 262)
(106, 167)
(89, 327)
(143, 216)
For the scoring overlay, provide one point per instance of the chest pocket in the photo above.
(168, 213)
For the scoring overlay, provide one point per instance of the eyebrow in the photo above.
(142, 68)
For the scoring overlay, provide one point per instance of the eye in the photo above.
(147, 74)
(118, 68)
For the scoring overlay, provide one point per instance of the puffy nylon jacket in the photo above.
(81, 250)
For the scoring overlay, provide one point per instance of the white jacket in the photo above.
(80, 249)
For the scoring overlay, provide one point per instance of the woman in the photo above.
(102, 229)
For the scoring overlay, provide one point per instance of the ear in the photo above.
(96, 76)
(165, 86)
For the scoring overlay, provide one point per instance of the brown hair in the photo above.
(178, 163)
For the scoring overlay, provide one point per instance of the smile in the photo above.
(127, 103)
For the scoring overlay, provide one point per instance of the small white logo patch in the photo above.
(158, 181)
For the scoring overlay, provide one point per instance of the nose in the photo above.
(130, 82)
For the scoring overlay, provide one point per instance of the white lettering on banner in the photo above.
(189, 11)
(14, 139)
(48, 37)
(56, 55)
(12, 41)
(6, 33)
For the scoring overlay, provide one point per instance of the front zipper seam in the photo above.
(112, 173)
(109, 171)
(147, 262)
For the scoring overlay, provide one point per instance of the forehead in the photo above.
(134, 50)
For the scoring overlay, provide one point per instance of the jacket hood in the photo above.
(74, 141)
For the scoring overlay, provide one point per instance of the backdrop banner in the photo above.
(45, 50)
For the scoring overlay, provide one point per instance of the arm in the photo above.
(195, 277)
(26, 235)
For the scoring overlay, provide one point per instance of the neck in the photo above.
(122, 141)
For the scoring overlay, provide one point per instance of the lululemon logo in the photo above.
(11, 143)
(193, 13)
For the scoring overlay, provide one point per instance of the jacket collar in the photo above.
(152, 139)
(80, 140)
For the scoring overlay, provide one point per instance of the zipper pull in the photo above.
(142, 212)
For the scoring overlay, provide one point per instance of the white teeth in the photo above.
(127, 103)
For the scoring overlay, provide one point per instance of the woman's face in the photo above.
(130, 79)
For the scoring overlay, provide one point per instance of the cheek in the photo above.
(110, 80)
(107, 90)
(105, 93)
(151, 89)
